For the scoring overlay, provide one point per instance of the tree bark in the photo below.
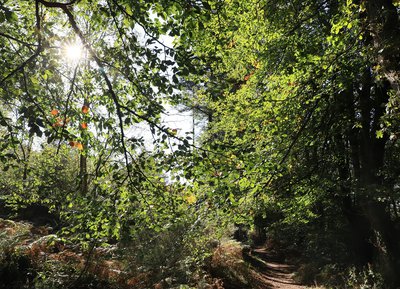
(385, 239)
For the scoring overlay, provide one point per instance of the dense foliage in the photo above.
(98, 104)
(83, 87)
(301, 98)
(299, 106)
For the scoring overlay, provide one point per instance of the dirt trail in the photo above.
(274, 274)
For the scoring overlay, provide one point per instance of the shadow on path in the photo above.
(275, 273)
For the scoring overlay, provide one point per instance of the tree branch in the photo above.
(292, 144)
(38, 48)
(57, 4)
(64, 119)
(19, 68)
(141, 25)
(17, 40)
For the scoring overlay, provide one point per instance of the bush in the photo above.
(169, 256)
(364, 278)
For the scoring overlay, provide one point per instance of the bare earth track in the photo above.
(273, 273)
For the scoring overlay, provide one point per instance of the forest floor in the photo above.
(261, 268)
(273, 271)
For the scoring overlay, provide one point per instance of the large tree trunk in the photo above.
(385, 239)
(371, 152)
(383, 24)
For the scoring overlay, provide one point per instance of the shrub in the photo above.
(364, 278)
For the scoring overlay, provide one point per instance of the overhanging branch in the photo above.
(39, 47)
(306, 121)
(57, 4)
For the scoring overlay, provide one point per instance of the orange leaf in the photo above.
(85, 109)
(76, 144)
(84, 125)
(54, 112)
(79, 146)
(58, 123)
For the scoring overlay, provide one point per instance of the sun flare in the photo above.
(74, 51)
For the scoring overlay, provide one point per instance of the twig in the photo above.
(64, 120)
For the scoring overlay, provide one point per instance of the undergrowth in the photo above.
(174, 257)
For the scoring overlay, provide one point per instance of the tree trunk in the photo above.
(83, 163)
(371, 152)
(383, 23)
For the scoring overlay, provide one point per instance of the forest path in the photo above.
(273, 272)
